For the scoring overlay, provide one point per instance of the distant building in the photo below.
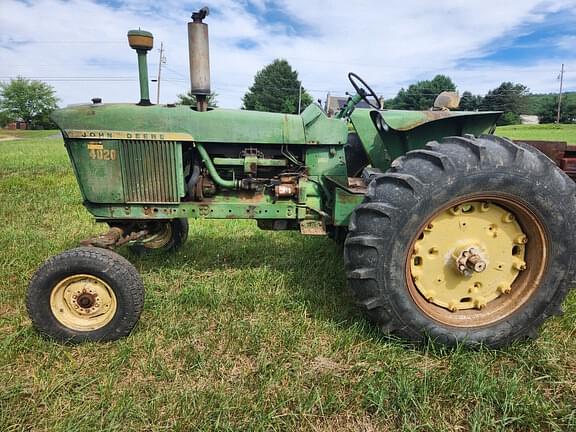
(529, 119)
(335, 104)
(16, 124)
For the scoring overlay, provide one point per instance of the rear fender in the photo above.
(388, 134)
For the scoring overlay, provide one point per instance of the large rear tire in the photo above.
(466, 241)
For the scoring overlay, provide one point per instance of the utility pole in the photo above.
(162, 60)
(560, 95)
(299, 97)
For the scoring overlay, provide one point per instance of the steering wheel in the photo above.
(364, 91)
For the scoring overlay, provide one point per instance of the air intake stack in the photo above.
(199, 58)
(142, 41)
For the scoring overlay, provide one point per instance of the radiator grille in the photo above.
(151, 171)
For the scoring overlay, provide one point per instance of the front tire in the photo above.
(85, 294)
(409, 241)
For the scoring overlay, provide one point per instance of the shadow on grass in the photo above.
(312, 268)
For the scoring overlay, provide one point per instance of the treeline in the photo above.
(513, 99)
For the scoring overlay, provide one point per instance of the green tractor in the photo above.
(449, 232)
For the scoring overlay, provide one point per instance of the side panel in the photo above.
(98, 169)
(344, 204)
(128, 171)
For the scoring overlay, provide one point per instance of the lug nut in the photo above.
(479, 303)
(508, 218)
(519, 265)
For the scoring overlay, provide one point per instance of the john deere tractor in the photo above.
(449, 232)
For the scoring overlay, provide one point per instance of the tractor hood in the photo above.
(182, 123)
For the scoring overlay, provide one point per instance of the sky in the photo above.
(80, 46)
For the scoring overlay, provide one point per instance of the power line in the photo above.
(25, 42)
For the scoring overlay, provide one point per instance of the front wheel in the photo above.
(164, 237)
(467, 241)
(85, 294)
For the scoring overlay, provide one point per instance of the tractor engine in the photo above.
(272, 170)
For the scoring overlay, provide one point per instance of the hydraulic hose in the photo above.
(227, 184)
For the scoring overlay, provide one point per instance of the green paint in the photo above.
(344, 204)
(411, 130)
(240, 162)
(145, 180)
(100, 180)
(227, 184)
(218, 207)
(320, 129)
(143, 74)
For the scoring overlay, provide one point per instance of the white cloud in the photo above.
(567, 42)
(389, 43)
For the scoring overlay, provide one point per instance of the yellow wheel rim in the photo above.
(476, 261)
(83, 302)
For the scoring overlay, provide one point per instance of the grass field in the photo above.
(244, 330)
(550, 132)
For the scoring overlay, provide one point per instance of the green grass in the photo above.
(244, 330)
(27, 134)
(551, 132)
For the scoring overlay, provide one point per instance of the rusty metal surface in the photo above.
(105, 240)
(312, 227)
(115, 237)
(555, 150)
(408, 120)
(568, 165)
(357, 185)
(285, 190)
(199, 57)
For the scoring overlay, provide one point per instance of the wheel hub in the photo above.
(83, 302)
(470, 259)
(160, 238)
(468, 256)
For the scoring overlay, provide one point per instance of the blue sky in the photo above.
(79, 46)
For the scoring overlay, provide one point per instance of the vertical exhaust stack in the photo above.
(142, 41)
(199, 58)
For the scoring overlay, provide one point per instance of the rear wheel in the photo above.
(85, 294)
(467, 241)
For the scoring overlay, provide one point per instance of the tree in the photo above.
(30, 100)
(470, 102)
(420, 96)
(507, 97)
(276, 88)
(4, 119)
(548, 111)
(190, 99)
